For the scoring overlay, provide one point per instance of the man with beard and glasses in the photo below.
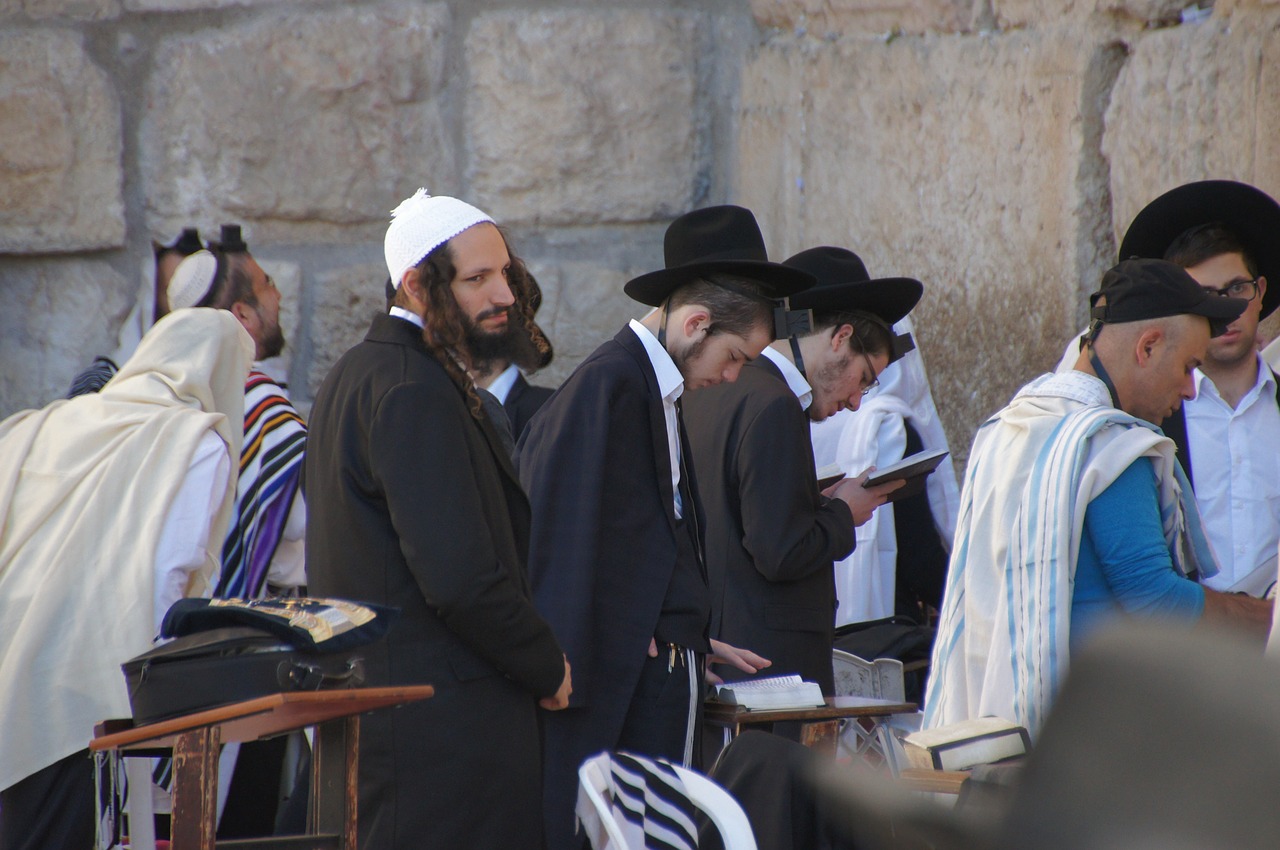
(616, 556)
(415, 504)
(772, 536)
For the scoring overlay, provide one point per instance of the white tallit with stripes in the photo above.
(1002, 645)
(653, 807)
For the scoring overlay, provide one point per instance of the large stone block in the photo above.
(57, 316)
(823, 17)
(1048, 13)
(81, 10)
(583, 117)
(190, 5)
(1196, 102)
(971, 163)
(311, 127)
(60, 144)
(345, 302)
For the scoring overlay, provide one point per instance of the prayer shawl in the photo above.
(85, 486)
(270, 471)
(1002, 645)
(650, 799)
(874, 435)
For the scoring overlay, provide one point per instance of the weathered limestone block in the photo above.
(60, 144)
(580, 117)
(1047, 13)
(1196, 102)
(582, 306)
(304, 125)
(822, 17)
(58, 315)
(190, 5)
(80, 10)
(970, 163)
(1227, 7)
(346, 300)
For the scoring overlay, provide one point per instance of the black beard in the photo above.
(486, 347)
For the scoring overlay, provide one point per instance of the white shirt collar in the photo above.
(795, 380)
(1265, 378)
(407, 315)
(501, 386)
(670, 381)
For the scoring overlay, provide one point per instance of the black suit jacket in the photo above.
(413, 503)
(522, 402)
(596, 465)
(772, 538)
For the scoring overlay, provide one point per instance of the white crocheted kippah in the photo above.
(421, 224)
(192, 280)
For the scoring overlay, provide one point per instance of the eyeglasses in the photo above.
(871, 370)
(1246, 289)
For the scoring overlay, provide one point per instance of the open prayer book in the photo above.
(828, 475)
(914, 469)
(771, 692)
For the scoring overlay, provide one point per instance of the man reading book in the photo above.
(772, 536)
(1074, 510)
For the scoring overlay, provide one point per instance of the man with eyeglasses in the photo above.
(1227, 236)
(772, 536)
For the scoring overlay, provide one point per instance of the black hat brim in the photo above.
(777, 280)
(889, 298)
(1249, 213)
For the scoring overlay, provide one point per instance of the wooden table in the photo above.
(820, 727)
(196, 738)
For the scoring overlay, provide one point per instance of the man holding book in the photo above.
(772, 536)
(1074, 510)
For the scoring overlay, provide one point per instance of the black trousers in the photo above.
(658, 720)
(52, 809)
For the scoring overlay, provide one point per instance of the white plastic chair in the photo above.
(856, 677)
(595, 787)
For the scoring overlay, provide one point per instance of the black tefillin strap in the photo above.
(1096, 321)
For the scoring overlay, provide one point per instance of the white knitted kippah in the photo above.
(192, 280)
(421, 224)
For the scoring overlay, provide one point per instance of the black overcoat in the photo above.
(772, 537)
(413, 503)
(522, 402)
(596, 464)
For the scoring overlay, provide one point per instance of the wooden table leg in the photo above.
(195, 789)
(335, 780)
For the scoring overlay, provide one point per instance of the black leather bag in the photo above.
(226, 665)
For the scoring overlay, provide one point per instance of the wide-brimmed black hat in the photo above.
(724, 239)
(1249, 213)
(844, 284)
(1140, 289)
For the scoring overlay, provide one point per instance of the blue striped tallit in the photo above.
(270, 472)
(1002, 644)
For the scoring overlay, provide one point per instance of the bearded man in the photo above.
(414, 504)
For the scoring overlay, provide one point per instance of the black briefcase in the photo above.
(222, 666)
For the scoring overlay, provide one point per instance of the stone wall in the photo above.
(992, 148)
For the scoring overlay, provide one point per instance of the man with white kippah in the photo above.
(415, 504)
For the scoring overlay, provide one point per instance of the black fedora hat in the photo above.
(722, 239)
(843, 284)
(1249, 213)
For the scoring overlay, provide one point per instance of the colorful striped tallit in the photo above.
(270, 473)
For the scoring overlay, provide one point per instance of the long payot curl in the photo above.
(532, 348)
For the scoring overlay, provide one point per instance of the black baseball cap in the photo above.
(1136, 289)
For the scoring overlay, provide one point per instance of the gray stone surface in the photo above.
(307, 126)
(60, 144)
(193, 5)
(970, 163)
(345, 302)
(1194, 103)
(57, 316)
(825, 17)
(580, 117)
(1048, 13)
(80, 10)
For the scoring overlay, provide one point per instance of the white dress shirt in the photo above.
(671, 385)
(501, 386)
(795, 380)
(1235, 463)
